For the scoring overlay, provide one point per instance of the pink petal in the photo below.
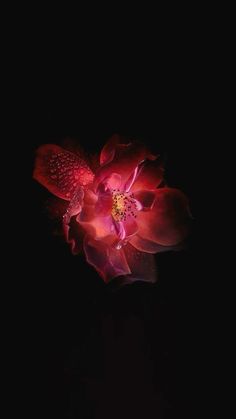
(98, 227)
(113, 181)
(108, 261)
(129, 183)
(150, 176)
(61, 171)
(167, 223)
(142, 265)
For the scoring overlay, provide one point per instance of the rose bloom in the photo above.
(120, 210)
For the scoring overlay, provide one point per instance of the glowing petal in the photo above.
(149, 177)
(168, 221)
(61, 171)
(146, 199)
(125, 159)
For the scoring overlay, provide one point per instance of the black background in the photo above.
(96, 353)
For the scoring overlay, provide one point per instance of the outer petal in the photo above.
(108, 261)
(168, 221)
(61, 171)
(109, 149)
(125, 158)
(74, 236)
(150, 176)
(142, 265)
(148, 246)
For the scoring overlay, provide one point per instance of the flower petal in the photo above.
(142, 265)
(125, 159)
(113, 181)
(108, 261)
(109, 149)
(150, 176)
(98, 227)
(146, 199)
(168, 221)
(148, 246)
(61, 171)
(104, 204)
(74, 236)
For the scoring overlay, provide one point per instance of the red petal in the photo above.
(146, 199)
(109, 262)
(142, 265)
(124, 161)
(148, 246)
(168, 221)
(109, 149)
(61, 171)
(113, 181)
(150, 176)
(104, 204)
(130, 226)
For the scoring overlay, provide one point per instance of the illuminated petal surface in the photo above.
(61, 171)
(168, 221)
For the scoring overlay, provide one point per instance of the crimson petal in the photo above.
(61, 171)
(168, 221)
(146, 199)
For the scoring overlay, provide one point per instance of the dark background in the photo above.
(133, 353)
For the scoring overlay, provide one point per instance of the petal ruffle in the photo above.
(61, 171)
(168, 221)
(108, 261)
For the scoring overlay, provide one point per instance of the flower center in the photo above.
(124, 205)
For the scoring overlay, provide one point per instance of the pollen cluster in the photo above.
(124, 205)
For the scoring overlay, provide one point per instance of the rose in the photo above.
(122, 210)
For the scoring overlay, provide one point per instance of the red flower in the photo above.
(122, 211)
